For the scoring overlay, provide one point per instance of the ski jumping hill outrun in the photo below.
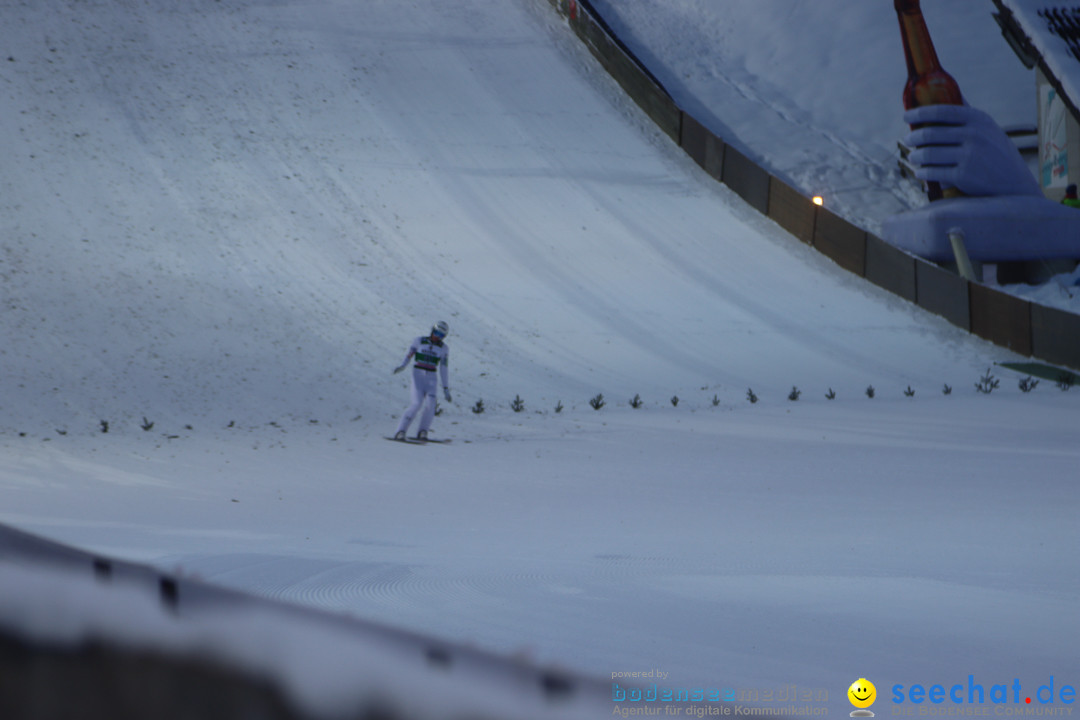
(222, 223)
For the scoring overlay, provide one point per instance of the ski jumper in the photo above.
(430, 357)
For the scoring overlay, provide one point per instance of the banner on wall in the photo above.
(1053, 141)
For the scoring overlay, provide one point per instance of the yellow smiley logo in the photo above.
(862, 693)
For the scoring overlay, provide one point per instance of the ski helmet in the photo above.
(440, 329)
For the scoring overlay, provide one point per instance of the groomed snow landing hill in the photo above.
(245, 211)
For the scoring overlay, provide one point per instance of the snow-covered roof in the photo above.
(1048, 33)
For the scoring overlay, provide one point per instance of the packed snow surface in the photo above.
(223, 223)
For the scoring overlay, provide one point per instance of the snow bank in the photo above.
(329, 666)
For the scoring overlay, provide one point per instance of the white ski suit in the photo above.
(431, 357)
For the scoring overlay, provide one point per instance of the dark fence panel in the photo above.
(792, 210)
(943, 293)
(1001, 318)
(694, 138)
(715, 149)
(890, 268)
(749, 181)
(706, 149)
(838, 239)
(1055, 335)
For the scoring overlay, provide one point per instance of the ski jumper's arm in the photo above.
(444, 371)
(412, 351)
(409, 355)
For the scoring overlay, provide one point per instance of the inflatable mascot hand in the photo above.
(1003, 214)
(962, 147)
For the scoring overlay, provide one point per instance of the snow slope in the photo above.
(812, 90)
(230, 218)
(235, 201)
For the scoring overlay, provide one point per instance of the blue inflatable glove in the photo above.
(962, 147)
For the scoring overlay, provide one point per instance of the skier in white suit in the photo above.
(430, 355)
